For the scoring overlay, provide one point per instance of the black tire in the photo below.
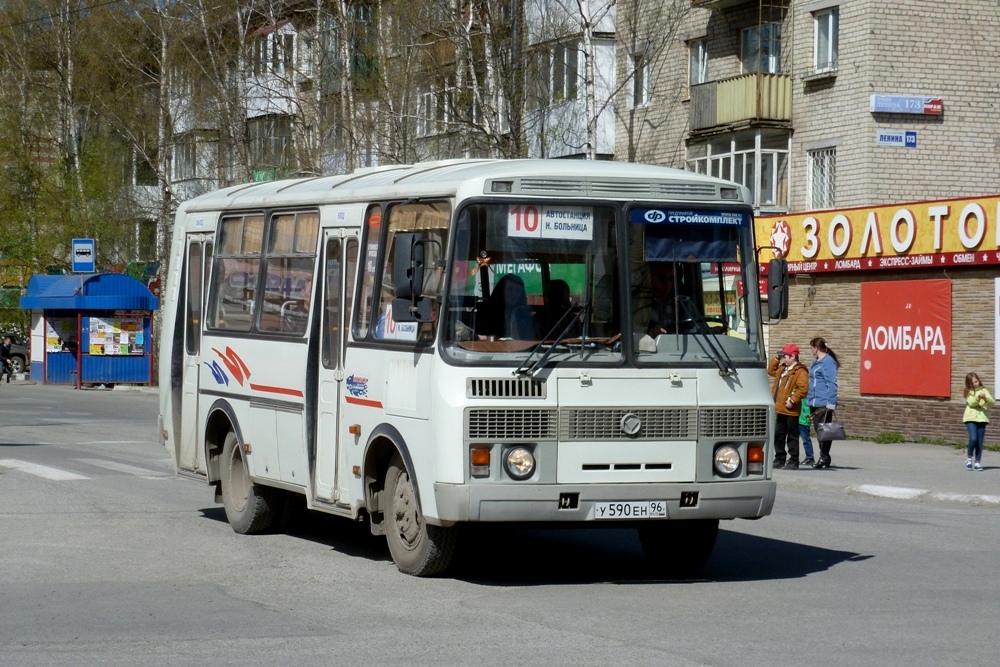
(416, 547)
(680, 548)
(250, 508)
(17, 364)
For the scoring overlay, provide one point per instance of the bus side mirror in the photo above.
(408, 280)
(408, 266)
(777, 289)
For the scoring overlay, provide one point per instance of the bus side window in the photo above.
(232, 292)
(290, 262)
(431, 221)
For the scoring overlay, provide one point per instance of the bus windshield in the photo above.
(684, 267)
(529, 275)
(533, 280)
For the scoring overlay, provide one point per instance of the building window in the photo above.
(697, 62)
(640, 80)
(185, 159)
(272, 54)
(565, 59)
(426, 111)
(757, 159)
(827, 37)
(760, 49)
(270, 139)
(554, 74)
(822, 177)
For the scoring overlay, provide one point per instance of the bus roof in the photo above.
(562, 178)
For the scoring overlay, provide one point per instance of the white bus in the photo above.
(424, 346)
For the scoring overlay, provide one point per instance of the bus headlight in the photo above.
(519, 462)
(727, 460)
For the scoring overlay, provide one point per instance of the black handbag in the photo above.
(830, 431)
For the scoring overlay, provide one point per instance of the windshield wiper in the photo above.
(715, 349)
(523, 370)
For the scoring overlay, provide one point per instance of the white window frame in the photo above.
(697, 62)
(640, 80)
(185, 159)
(565, 71)
(826, 41)
(822, 178)
(763, 170)
(426, 111)
(273, 53)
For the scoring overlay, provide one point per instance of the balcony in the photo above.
(749, 97)
(718, 4)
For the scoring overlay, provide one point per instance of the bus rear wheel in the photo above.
(679, 548)
(416, 547)
(250, 508)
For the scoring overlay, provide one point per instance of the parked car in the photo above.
(19, 356)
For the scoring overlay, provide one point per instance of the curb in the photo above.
(905, 493)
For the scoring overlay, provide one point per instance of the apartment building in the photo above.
(866, 130)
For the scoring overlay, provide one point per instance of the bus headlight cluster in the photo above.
(519, 462)
(727, 460)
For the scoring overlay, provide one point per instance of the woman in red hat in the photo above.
(791, 384)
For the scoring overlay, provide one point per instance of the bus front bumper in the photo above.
(749, 499)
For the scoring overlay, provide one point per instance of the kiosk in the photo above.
(90, 329)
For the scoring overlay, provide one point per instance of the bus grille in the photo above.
(511, 425)
(643, 189)
(504, 388)
(655, 190)
(606, 424)
(592, 424)
(741, 423)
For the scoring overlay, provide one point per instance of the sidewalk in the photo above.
(905, 471)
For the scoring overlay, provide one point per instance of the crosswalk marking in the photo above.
(123, 467)
(40, 470)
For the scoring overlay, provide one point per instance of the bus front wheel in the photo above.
(416, 547)
(679, 548)
(250, 508)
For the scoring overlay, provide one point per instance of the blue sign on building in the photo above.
(915, 104)
(84, 255)
(898, 138)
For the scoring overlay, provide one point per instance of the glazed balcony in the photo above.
(746, 98)
(718, 4)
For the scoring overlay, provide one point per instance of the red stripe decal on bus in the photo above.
(363, 401)
(276, 390)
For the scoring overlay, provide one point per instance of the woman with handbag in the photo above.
(822, 397)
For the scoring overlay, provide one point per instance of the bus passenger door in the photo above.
(190, 452)
(340, 258)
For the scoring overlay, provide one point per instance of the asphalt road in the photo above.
(107, 558)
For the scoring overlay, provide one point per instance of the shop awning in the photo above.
(88, 291)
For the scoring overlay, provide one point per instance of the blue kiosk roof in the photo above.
(89, 291)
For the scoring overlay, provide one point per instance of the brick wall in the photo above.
(901, 47)
(829, 305)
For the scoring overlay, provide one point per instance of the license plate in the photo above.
(631, 509)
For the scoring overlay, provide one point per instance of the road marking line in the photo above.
(40, 471)
(122, 467)
(898, 492)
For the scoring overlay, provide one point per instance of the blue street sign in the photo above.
(897, 138)
(84, 255)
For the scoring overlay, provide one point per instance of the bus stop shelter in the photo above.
(90, 329)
